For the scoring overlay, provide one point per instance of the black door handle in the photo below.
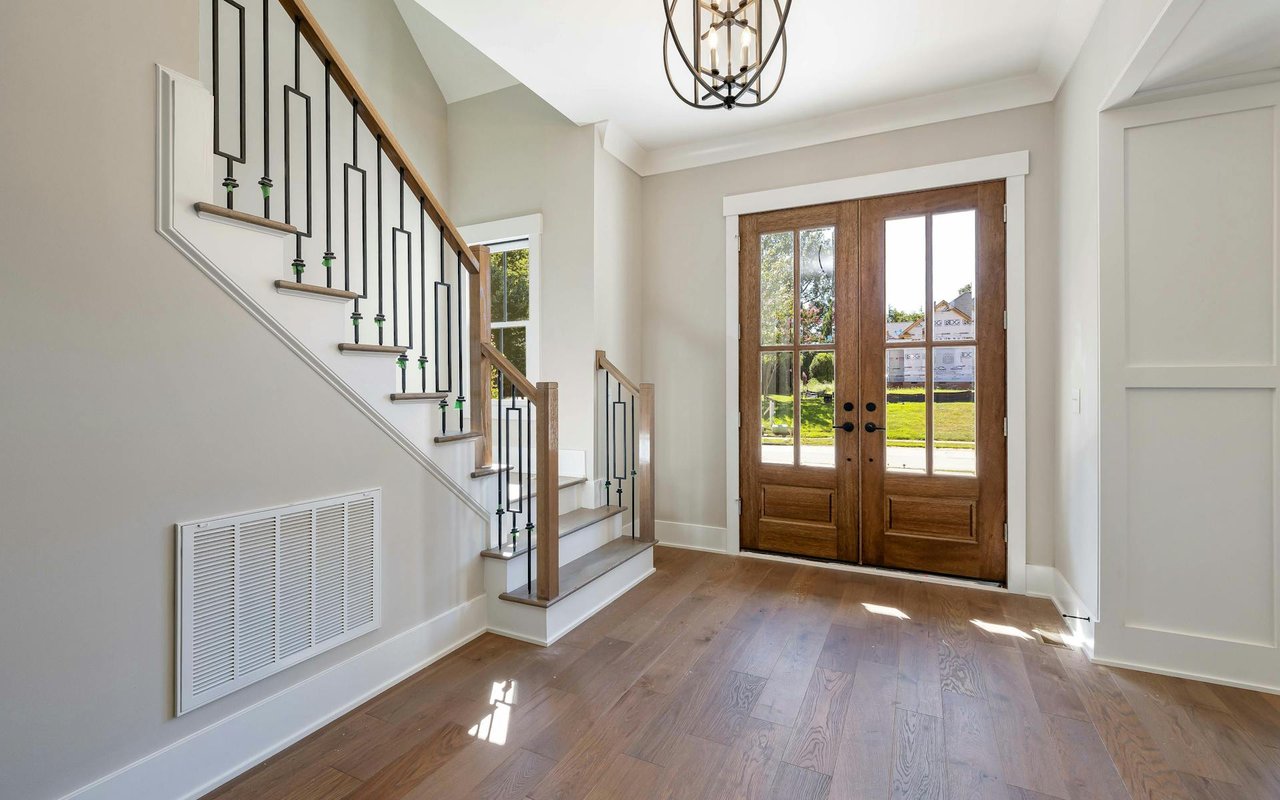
(871, 427)
(848, 426)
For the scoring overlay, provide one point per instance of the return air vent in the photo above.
(260, 592)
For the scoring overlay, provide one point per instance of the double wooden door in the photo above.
(872, 392)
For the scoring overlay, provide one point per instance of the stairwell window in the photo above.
(514, 246)
(509, 300)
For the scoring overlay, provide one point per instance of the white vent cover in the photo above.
(261, 591)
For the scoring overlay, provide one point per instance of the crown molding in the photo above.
(971, 101)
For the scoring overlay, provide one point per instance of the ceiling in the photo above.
(855, 67)
(1225, 40)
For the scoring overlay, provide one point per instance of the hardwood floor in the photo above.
(724, 677)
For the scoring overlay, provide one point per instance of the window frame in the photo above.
(514, 234)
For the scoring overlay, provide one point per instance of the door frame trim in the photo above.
(1013, 169)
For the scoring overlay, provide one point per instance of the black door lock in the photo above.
(848, 406)
(848, 426)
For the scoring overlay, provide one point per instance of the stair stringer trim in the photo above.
(169, 84)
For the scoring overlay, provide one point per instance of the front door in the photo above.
(873, 348)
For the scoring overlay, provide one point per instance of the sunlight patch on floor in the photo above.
(1003, 630)
(886, 611)
(493, 728)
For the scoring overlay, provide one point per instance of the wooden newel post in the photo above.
(548, 490)
(480, 367)
(644, 464)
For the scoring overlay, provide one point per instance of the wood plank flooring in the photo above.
(739, 678)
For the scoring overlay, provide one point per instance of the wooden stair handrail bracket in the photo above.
(345, 78)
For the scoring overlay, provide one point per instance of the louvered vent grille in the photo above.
(259, 592)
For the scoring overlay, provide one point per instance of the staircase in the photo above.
(343, 252)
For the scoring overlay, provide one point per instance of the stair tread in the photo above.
(312, 289)
(515, 486)
(582, 571)
(417, 397)
(490, 469)
(249, 219)
(458, 437)
(375, 349)
(570, 522)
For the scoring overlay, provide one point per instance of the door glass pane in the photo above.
(817, 392)
(955, 237)
(777, 285)
(777, 398)
(904, 294)
(904, 409)
(954, 401)
(817, 286)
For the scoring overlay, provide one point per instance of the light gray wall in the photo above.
(618, 266)
(1118, 31)
(137, 395)
(511, 154)
(684, 290)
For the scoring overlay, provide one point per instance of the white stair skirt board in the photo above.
(546, 625)
(505, 575)
(214, 755)
(245, 261)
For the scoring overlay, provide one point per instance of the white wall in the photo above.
(618, 262)
(138, 395)
(684, 290)
(1118, 32)
(511, 154)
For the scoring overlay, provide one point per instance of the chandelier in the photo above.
(728, 51)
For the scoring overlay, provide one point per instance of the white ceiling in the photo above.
(855, 66)
(460, 70)
(1225, 39)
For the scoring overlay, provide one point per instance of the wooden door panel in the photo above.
(801, 503)
(931, 517)
(797, 538)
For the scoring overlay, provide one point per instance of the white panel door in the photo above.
(1189, 387)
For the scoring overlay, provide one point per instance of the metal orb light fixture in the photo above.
(734, 51)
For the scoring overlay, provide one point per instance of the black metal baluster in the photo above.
(422, 282)
(403, 360)
(347, 170)
(327, 259)
(447, 385)
(299, 266)
(229, 182)
(521, 453)
(264, 183)
(379, 318)
(501, 454)
(608, 436)
(620, 469)
(462, 382)
(630, 437)
(528, 488)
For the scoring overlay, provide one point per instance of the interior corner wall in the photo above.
(1114, 39)
(511, 154)
(138, 395)
(684, 290)
(618, 271)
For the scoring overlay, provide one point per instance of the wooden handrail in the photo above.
(346, 81)
(602, 362)
(513, 373)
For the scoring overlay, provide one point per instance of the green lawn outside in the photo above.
(953, 422)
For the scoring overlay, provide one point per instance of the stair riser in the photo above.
(507, 575)
(545, 625)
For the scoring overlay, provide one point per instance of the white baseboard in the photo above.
(214, 755)
(1049, 583)
(691, 537)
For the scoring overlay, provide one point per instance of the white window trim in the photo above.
(506, 230)
(1010, 167)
